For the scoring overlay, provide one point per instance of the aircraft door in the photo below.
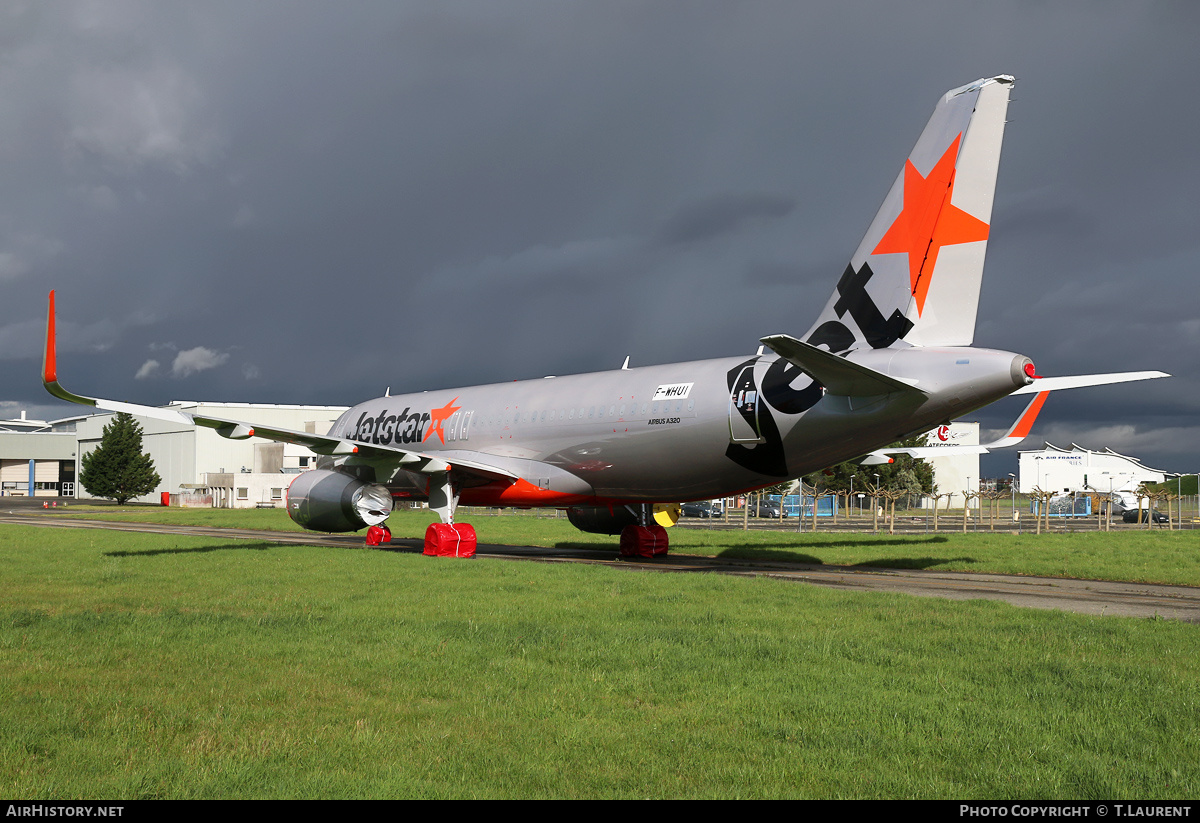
(744, 403)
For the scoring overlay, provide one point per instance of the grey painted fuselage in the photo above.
(677, 432)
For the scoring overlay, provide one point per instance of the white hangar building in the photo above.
(213, 470)
(1078, 469)
(37, 458)
(954, 473)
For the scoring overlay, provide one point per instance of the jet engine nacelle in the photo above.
(330, 501)
(601, 519)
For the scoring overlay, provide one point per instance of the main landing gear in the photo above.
(447, 538)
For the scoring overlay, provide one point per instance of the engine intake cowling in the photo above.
(330, 501)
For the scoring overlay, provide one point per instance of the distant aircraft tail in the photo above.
(916, 275)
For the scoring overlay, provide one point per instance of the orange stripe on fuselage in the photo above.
(521, 493)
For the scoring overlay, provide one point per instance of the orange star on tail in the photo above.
(929, 221)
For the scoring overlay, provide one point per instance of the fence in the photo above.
(997, 515)
(794, 505)
(1064, 506)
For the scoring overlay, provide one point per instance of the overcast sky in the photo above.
(309, 202)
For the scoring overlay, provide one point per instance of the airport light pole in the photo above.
(967, 502)
(1108, 507)
(875, 503)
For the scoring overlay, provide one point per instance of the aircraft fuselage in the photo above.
(671, 433)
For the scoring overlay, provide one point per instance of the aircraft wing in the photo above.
(408, 459)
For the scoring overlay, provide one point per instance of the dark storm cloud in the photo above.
(310, 202)
(721, 214)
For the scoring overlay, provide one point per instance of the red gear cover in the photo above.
(450, 540)
(644, 541)
(377, 535)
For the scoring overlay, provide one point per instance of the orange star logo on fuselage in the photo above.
(439, 416)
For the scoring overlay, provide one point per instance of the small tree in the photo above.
(117, 468)
(917, 473)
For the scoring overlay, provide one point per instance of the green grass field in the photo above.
(1152, 556)
(142, 666)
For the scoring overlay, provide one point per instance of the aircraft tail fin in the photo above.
(916, 275)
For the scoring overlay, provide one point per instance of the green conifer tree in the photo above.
(117, 468)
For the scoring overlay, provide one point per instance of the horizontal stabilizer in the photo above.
(837, 374)
(1079, 381)
(1041, 388)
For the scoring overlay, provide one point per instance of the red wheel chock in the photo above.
(450, 540)
(644, 541)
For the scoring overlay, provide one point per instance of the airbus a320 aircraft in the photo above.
(889, 356)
